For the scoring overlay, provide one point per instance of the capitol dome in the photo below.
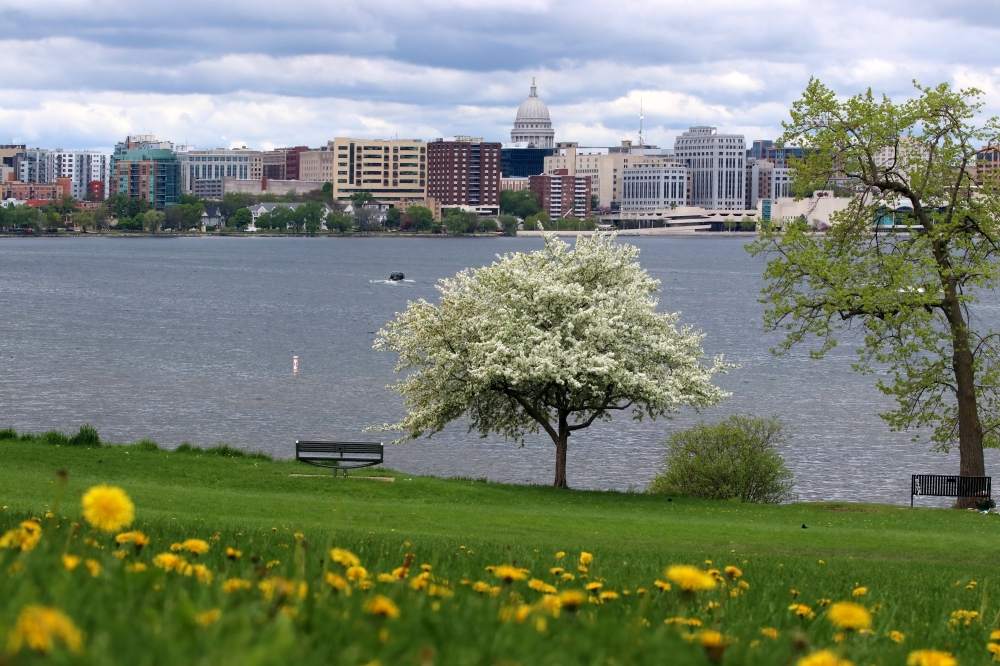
(532, 124)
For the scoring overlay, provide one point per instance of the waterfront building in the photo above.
(561, 194)
(654, 185)
(463, 170)
(604, 165)
(718, 167)
(203, 171)
(393, 170)
(520, 160)
(515, 184)
(144, 168)
(815, 210)
(316, 164)
(88, 172)
(35, 165)
(33, 192)
(766, 181)
(532, 124)
(282, 163)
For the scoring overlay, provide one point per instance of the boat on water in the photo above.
(396, 276)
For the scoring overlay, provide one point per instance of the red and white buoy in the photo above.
(295, 365)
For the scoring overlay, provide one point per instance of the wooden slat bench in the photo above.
(339, 455)
(935, 485)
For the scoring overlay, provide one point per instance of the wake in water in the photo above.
(389, 281)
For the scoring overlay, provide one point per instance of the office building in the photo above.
(317, 164)
(766, 181)
(393, 170)
(282, 163)
(561, 194)
(215, 165)
(518, 160)
(463, 170)
(8, 151)
(532, 124)
(653, 185)
(604, 165)
(143, 168)
(718, 167)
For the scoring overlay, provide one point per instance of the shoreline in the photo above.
(659, 232)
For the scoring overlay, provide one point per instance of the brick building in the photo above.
(43, 192)
(463, 171)
(142, 168)
(562, 195)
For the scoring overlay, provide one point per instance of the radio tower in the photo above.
(641, 144)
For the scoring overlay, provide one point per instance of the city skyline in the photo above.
(231, 74)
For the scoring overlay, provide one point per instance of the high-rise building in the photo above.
(317, 164)
(88, 171)
(215, 165)
(561, 194)
(766, 181)
(8, 151)
(391, 170)
(463, 170)
(35, 165)
(604, 165)
(532, 124)
(518, 160)
(718, 167)
(143, 168)
(654, 185)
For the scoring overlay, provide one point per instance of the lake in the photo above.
(191, 339)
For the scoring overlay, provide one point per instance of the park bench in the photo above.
(339, 455)
(936, 485)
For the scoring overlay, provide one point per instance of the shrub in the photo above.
(146, 445)
(85, 436)
(736, 458)
(54, 437)
(8, 433)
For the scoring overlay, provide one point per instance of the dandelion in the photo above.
(480, 587)
(568, 577)
(586, 559)
(930, 658)
(582, 569)
(201, 572)
(94, 567)
(386, 578)
(849, 615)
(508, 573)
(107, 508)
(572, 599)
(960, 616)
(859, 592)
(357, 573)
(382, 606)
(691, 579)
(169, 562)
(795, 593)
(209, 617)
(337, 582)
(802, 611)
(195, 546)
(273, 563)
(550, 604)
(399, 573)
(994, 649)
(135, 566)
(344, 558)
(137, 539)
(560, 555)
(593, 587)
(537, 585)
(770, 632)
(733, 573)
(24, 537)
(176, 548)
(39, 627)
(608, 595)
(233, 554)
(972, 585)
(556, 571)
(663, 585)
(823, 658)
(896, 636)
(70, 562)
(235, 585)
(995, 635)
(714, 642)
(823, 603)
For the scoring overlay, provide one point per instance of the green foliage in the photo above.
(122, 206)
(913, 296)
(242, 218)
(361, 198)
(21, 217)
(459, 222)
(392, 218)
(339, 221)
(8, 433)
(522, 203)
(152, 221)
(531, 222)
(417, 218)
(86, 436)
(54, 437)
(489, 225)
(184, 216)
(146, 445)
(737, 458)
(509, 225)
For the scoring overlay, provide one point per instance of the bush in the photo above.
(146, 445)
(54, 437)
(85, 436)
(8, 433)
(736, 458)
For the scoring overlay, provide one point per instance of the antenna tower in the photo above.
(641, 144)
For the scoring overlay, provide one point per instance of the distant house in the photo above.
(213, 217)
(259, 209)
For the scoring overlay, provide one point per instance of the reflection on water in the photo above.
(192, 339)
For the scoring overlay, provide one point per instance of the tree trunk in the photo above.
(970, 428)
(561, 441)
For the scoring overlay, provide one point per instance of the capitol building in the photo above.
(532, 125)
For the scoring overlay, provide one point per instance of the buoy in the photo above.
(295, 364)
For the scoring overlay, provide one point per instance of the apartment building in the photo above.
(215, 165)
(143, 168)
(393, 170)
(317, 164)
(88, 171)
(463, 170)
(654, 185)
(561, 194)
(718, 167)
(604, 165)
(766, 181)
(282, 163)
(32, 191)
(35, 165)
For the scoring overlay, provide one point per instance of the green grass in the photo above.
(916, 564)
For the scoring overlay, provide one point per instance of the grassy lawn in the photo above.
(918, 567)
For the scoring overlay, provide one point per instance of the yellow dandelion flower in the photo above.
(550, 604)
(568, 576)
(400, 572)
(608, 595)
(201, 572)
(386, 578)
(169, 562)
(586, 559)
(663, 585)
(691, 579)
(849, 615)
(823, 658)
(235, 585)
(712, 605)
(733, 573)
(382, 606)
(481, 587)
(195, 546)
(962, 616)
(298, 535)
(137, 539)
(24, 537)
(591, 587)
(357, 573)
(972, 585)
(176, 548)
(859, 592)
(995, 635)
(572, 599)
(233, 554)
(337, 582)
(537, 585)
(426, 567)
(508, 573)
(897, 637)
(582, 569)
(70, 562)
(770, 632)
(754, 643)
(930, 658)
(795, 593)
(94, 567)
(802, 611)
(273, 563)
(556, 571)
(714, 642)
(344, 558)
(39, 627)
(560, 555)
(108, 508)
(135, 566)
(994, 649)
(209, 617)
(823, 603)
(875, 608)
(121, 554)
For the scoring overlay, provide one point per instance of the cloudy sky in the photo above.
(84, 73)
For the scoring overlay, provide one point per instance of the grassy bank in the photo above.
(918, 567)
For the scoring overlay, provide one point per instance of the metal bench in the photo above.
(339, 455)
(935, 485)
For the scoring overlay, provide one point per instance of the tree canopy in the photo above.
(520, 203)
(911, 288)
(553, 340)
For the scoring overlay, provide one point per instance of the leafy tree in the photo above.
(242, 218)
(419, 218)
(361, 198)
(735, 458)
(233, 201)
(368, 219)
(101, 214)
(531, 222)
(20, 217)
(309, 215)
(85, 219)
(522, 203)
(913, 295)
(392, 218)
(191, 200)
(122, 206)
(489, 225)
(152, 221)
(595, 202)
(553, 340)
(339, 221)
(456, 224)
(509, 224)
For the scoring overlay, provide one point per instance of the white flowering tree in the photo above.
(553, 340)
